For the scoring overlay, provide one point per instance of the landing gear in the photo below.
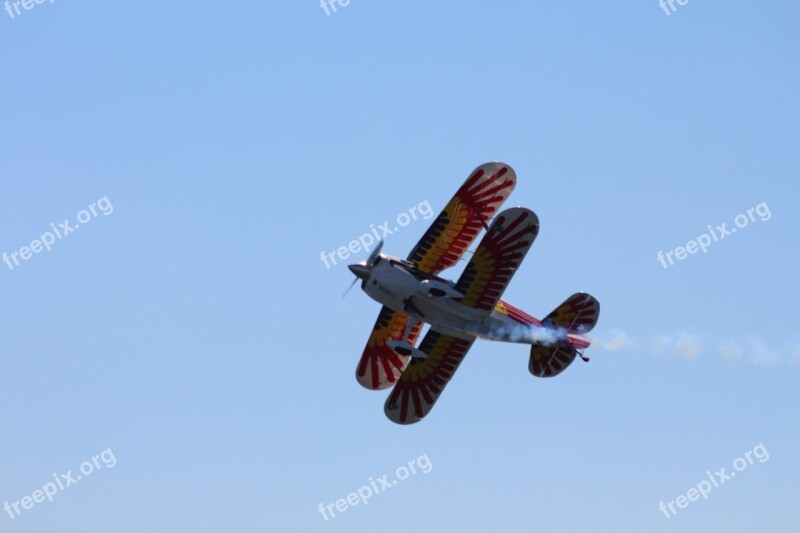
(412, 309)
(404, 348)
(414, 315)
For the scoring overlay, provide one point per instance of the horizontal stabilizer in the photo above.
(578, 314)
(549, 361)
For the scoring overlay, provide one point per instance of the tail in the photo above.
(576, 316)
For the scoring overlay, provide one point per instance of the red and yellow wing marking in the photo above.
(424, 379)
(497, 258)
(578, 314)
(550, 361)
(380, 366)
(454, 230)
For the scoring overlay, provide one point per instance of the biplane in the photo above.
(412, 293)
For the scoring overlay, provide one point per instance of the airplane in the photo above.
(412, 294)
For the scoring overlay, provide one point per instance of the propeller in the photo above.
(362, 269)
(375, 253)
(348, 288)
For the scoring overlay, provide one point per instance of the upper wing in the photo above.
(424, 379)
(380, 366)
(456, 227)
(497, 258)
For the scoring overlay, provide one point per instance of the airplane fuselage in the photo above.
(398, 285)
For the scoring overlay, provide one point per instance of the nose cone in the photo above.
(360, 270)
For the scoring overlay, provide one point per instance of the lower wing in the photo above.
(380, 366)
(424, 380)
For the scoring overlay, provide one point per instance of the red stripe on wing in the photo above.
(380, 366)
(456, 227)
(423, 380)
(497, 258)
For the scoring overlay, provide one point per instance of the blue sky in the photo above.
(195, 333)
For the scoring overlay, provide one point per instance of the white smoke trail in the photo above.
(690, 347)
(731, 351)
(682, 344)
(531, 334)
(617, 340)
(761, 355)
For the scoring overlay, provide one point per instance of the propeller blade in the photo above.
(374, 255)
(361, 270)
(348, 288)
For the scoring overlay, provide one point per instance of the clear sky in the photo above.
(194, 351)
